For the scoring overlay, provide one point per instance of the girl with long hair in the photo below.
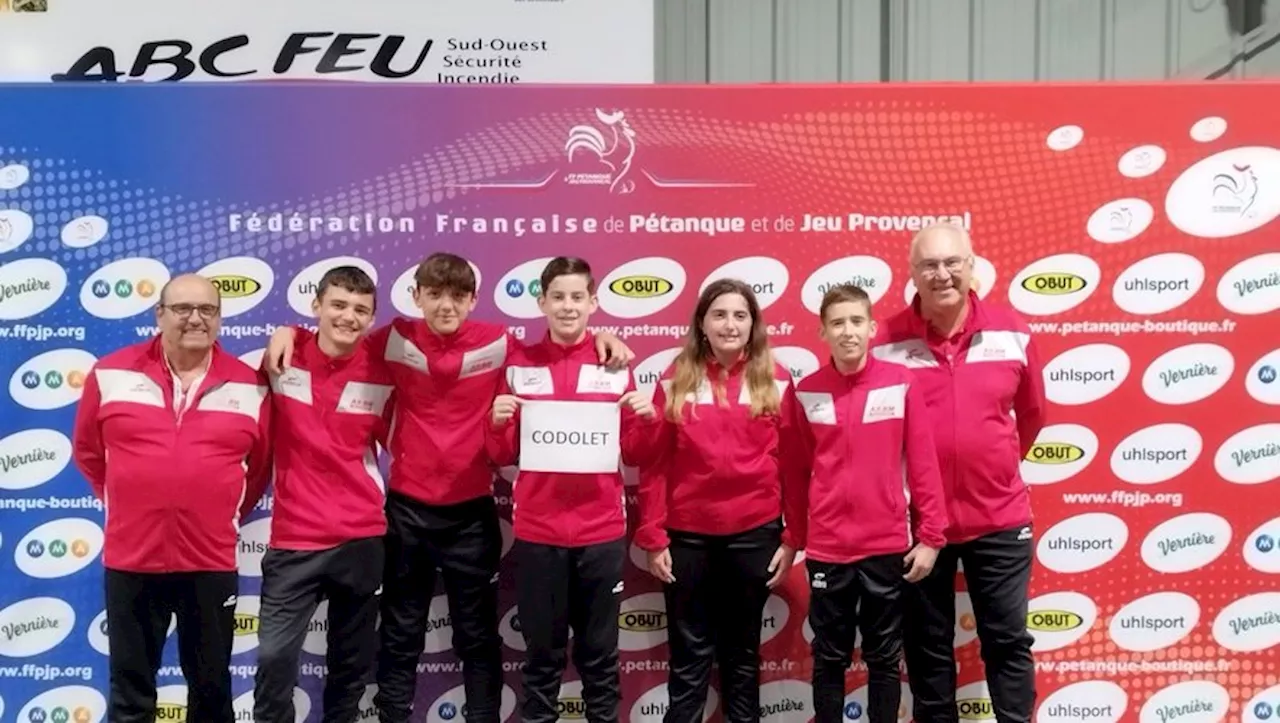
(726, 473)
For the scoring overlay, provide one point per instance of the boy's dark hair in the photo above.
(841, 293)
(351, 278)
(566, 266)
(446, 272)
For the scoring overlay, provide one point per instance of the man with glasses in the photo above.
(981, 376)
(173, 436)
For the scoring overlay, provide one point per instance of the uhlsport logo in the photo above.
(51, 380)
(67, 704)
(1059, 619)
(973, 703)
(246, 625)
(85, 231)
(641, 287)
(649, 371)
(983, 281)
(642, 622)
(785, 701)
(652, 705)
(1263, 707)
(1054, 284)
(1082, 543)
(1252, 286)
(316, 641)
(1156, 454)
(123, 288)
(1085, 374)
(302, 289)
(243, 282)
(1250, 624)
(15, 229)
(439, 626)
(1262, 547)
(58, 548)
(1227, 194)
(252, 546)
(1263, 379)
(1188, 374)
(1093, 701)
(29, 287)
(34, 626)
(767, 277)
(242, 706)
(1061, 452)
(402, 290)
(1158, 284)
(516, 293)
(451, 707)
(171, 704)
(1250, 456)
(1185, 543)
(1154, 622)
(798, 361)
(1191, 701)
(1119, 221)
(872, 274)
(32, 457)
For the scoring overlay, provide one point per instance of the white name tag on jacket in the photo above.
(599, 380)
(885, 403)
(572, 437)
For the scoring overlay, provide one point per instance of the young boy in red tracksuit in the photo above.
(875, 507)
(564, 420)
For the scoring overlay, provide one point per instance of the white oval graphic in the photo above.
(1188, 374)
(34, 626)
(1156, 454)
(171, 703)
(253, 358)
(439, 626)
(32, 457)
(402, 291)
(1061, 452)
(1092, 701)
(1250, 456)
(1262, 547)
(797, 360)
(516, 293)
(1227, 194)
(1185, 543)
(1250, 624)
(973, 703)
(450, 707)
(638, 557)
(1082, 543)
(58, 548)
(1252, 286)
(767, 277)
(302, 289)
(652, 705)
(51, 380)
(247, 624)
(508, 536)
(1263, 707)
(316, 641)
(1119, 221)
(29, 287)
(649, 372)
(786, 701)
(123, 288)
(80, 703)
(1192, 701)
(242, 705)
(641, 287)
(243, 282)
(1263, 380)
(855, 705)
(642, 622)
(1064, 138)
(1085, 374)
(1059, 619)
(869, 273)
(1154, 622)
(1208, 129)
(509, 630)
(83, 232)
(254, 538)
(774, 618)
(1158, 283)
(13, 176)
(15, 229)
(966, 630)
(1142, 161)
(1054, 284)
(982, 282)
(99, 639)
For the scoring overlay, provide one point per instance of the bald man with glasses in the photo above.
(173, 436)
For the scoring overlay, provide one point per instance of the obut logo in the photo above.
(1156, 454)
(1262, 547)
(123, 288)
(652, 705)
(1154, 622)
(1227, 194)
(402, 290)
(451, 707)
(570, 705)
(983, 281)
(242, 282)
(171, 704)
(15, 228)
(868, 272)
(51, 380)
(1249, 624)
(83, 232)
(1059, 619)
(799, 361)
(1250, 456)
(973, 703)
(1252, 286)
(1185, 543)
(67, 704)
(642, 287)
(34, 626)
(302, 289)
(642, 622)
(1061, 452)
(1188, 374)
(1192, 701)
(1085, 374)
(245, 630)
(1084, 542)
(252, 546)
(516, 293)
(1158, 283)
(1119, 221)
(767, 277)
(32, 457)
(1054, 284)
(58, 548)
(1093, 701)
(29, 287)
(1263, 380)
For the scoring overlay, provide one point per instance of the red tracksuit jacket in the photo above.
(444, 388)
(721, 471)
(174, 484)
(974, 384)
(328, 417)
(874, 486)
(568, 509)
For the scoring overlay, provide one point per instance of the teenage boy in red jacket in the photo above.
(867, 432)
(566, 421)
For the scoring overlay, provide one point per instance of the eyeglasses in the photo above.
(931, 267)
(183, 311)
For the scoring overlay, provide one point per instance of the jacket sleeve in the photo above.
(1029, 401)
(638, 433)
(260, 463)
(924, 479)
(502, 441)
(795, 468)
(651, 533)
(88, 450)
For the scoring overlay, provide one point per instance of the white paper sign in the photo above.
(576, 437)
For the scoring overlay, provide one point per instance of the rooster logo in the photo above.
(615, 154)
(6, 231)
(1121, 218)
(1236, 192)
